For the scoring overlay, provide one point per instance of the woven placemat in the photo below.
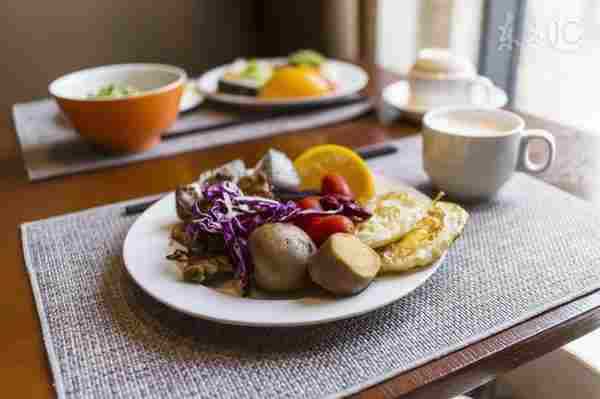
(532, 248)
(51, 147)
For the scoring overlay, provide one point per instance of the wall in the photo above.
(330, 26)
(41, 40)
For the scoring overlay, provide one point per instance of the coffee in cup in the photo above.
(470, 152)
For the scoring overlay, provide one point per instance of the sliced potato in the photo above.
(394, 215)
(280, 252)
(427, 241)
(344, 265)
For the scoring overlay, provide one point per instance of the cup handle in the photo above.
(486, 84)
(525, 163)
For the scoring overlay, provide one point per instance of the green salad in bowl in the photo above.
(114, 90)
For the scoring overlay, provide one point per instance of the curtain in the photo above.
(404, 27)
(339, 28)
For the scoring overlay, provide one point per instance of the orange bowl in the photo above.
(127, 124)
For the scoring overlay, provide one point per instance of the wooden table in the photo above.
(23, 366)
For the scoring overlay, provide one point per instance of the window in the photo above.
(545, 53)
(559, 62)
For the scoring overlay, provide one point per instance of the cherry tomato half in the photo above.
(320, 228)
(334, 184)
(305, 203)
(310, 203)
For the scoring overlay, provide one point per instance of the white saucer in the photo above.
(398, 96)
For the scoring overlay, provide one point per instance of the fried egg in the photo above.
(427, 241)
(394, 215)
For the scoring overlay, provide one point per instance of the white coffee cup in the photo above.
(470, 152)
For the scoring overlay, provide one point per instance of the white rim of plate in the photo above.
(191, 96)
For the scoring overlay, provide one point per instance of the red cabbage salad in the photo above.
(234, 216)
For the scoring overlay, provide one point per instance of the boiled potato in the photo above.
(280, 252)
(344, 265)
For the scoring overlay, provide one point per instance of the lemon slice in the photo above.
(320, 160)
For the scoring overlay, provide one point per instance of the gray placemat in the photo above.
(531, 249)
(51, 147)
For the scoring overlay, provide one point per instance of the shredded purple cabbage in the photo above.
(235, 216)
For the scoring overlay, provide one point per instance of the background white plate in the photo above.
(147, 244)
(191, 97)
(349, 79)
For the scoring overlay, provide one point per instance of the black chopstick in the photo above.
(376, 151)
(366, 153)
(139, 208)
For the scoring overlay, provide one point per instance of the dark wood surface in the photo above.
(23, 364)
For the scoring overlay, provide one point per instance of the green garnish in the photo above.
(256, 71)
(114, 91)
(306, 57)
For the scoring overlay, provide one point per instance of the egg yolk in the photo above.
(295, 81)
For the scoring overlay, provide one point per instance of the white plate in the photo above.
(398, 95)
(147, 244)
(349, 79)
(191, 97)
